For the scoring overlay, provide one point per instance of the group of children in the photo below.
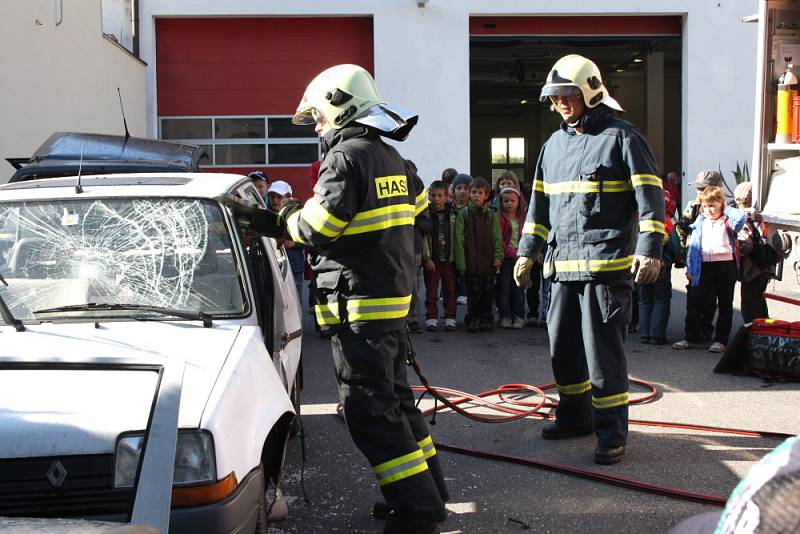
(472, 248)
(720, 252)
(715, 242)
(470, 252)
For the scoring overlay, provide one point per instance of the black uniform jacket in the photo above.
(361, 221)
(597, 200)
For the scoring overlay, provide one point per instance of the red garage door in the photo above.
(231, 84)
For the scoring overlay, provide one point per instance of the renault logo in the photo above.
(56, 474)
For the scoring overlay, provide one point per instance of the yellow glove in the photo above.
(522, 271)
(645, 269)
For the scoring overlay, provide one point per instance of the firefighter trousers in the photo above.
(387, 427)
(587, 324)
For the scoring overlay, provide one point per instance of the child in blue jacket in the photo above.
(712, 266)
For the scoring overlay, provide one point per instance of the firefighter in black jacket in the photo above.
(361, 222)
(598, 203)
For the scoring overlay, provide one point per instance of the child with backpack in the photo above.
(712, 266)
(478, 248)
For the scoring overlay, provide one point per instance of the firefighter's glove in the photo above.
(645, 269)
(240, 209)
(253, 219)
(522, 271)
(290, 205)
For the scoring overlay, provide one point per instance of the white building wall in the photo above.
(64, 77)
(422, 64)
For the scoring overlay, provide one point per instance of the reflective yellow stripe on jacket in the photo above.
(612, 401)
(593, 266)
(399, 468)
(291, 227)
(381, 219)
(535, 229)
(652, 226)
(584, 186)
(421, 202)
(646, 179)
(318, 218)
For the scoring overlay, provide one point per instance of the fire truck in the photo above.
(776, 165)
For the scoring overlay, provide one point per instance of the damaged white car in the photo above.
(110, 284)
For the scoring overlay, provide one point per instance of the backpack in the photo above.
(763, 255)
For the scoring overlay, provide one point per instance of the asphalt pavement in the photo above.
(493, 497)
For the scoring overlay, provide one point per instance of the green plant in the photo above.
(740, 174)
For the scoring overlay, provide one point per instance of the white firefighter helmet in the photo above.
(339, 94)
(574, 71)
(347, 93)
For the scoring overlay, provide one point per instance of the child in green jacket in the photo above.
(478, 252)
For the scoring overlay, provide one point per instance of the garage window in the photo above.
(253, 140)
(508, 154)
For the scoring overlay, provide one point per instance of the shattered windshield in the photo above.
(171, 253)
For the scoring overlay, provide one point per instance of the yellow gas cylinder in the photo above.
(787, 90)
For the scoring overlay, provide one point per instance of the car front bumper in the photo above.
(236, 514)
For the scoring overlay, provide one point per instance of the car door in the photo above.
(283, 336)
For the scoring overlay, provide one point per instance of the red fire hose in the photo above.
(518, 409)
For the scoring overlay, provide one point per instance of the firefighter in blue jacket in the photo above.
(361, 222)
(598, 204)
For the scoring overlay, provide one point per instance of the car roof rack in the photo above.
(60, 155)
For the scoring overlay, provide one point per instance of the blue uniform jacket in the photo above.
(597, 200)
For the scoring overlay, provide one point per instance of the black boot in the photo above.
(608, 455)
(556, 431)
(396, 524)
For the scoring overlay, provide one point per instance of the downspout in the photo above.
(135, 15)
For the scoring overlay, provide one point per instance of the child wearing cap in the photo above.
(459, 192)
(703, 179)
(278, 192)
(753, 277)
(506, 179)
(260, 182)
(459, 197)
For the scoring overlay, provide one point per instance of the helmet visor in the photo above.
(558, 90)
(305, 116)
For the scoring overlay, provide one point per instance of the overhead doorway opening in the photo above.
(640, 58)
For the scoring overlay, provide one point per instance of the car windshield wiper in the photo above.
(91, 306)
(6, 314)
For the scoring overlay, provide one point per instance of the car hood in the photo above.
(77, 407)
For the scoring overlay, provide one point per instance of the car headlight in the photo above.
(194, 458)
